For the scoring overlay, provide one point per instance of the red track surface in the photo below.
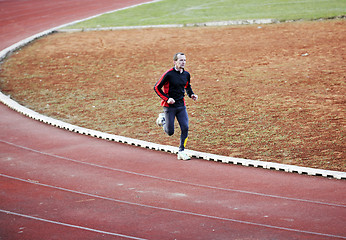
(61, 185)
(20, 19)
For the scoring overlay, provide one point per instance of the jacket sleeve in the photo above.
(159, 85)
(188, 87)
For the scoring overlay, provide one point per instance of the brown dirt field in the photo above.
(272, 92)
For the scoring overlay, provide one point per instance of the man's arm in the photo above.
(189, 91)
(159, 85)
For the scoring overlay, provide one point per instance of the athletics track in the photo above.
(57, 184)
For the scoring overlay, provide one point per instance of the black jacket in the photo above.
(173, 84)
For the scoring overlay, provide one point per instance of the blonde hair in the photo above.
(175, 58)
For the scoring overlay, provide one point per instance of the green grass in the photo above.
(197, 11)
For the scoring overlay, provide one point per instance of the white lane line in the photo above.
(174, 210)
(172, 180)
(69, 225)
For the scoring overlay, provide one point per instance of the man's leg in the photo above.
(169, 117)
(183, 120)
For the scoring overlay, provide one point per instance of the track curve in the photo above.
(61, 185)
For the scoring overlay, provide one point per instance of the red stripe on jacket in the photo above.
(163, 94)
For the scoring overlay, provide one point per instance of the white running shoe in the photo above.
(160, 121)
(183, 156)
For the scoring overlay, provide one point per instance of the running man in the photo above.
(171, 89)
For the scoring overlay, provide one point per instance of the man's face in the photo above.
(180, 63)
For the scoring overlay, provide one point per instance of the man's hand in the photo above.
(194, 97)
(170, 101)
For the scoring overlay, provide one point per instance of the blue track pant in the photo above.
(181, 114)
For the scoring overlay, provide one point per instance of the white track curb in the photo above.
(201, 155)
(206, 24)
